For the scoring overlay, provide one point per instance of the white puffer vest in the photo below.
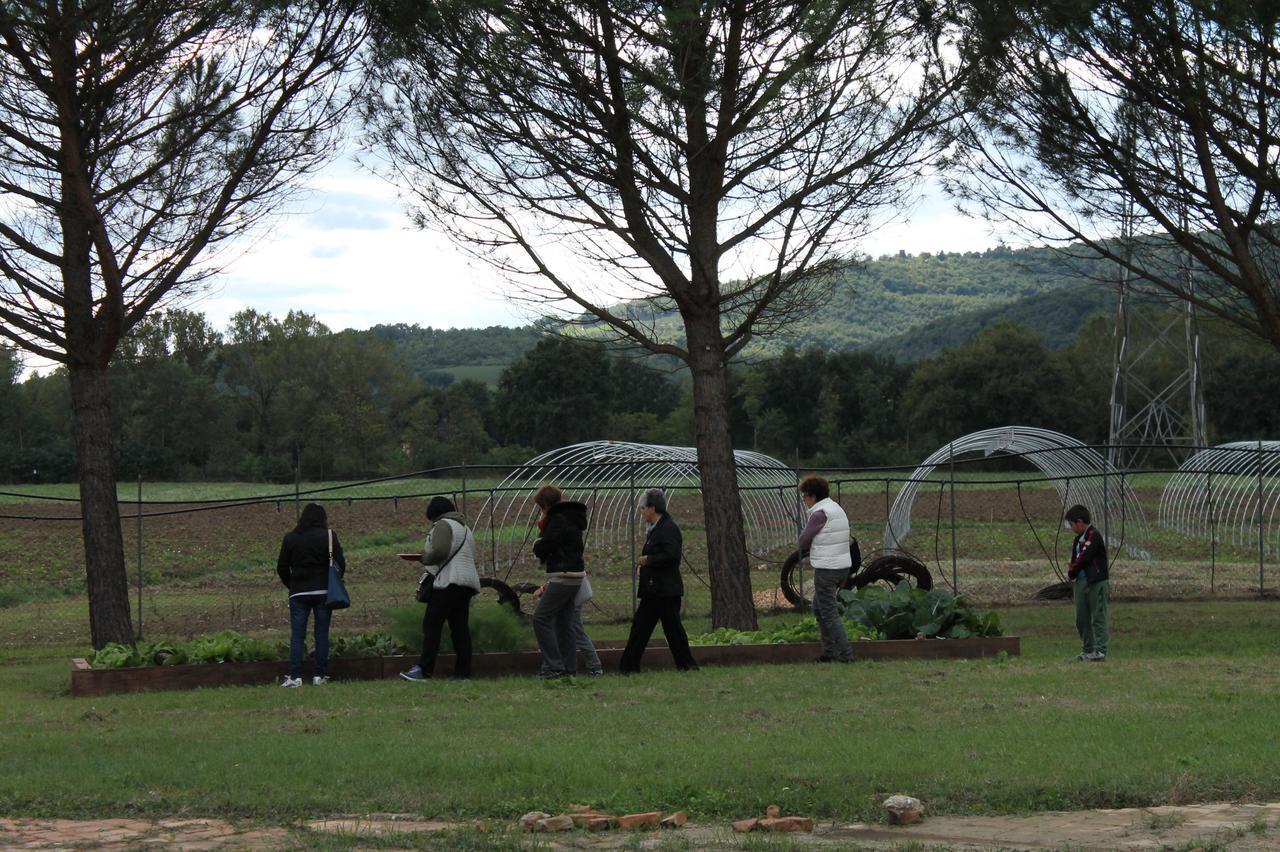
(461, 569)
(830, 548)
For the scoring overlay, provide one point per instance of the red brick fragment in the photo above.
(639, 820)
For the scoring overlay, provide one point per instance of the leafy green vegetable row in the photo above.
(232, 647)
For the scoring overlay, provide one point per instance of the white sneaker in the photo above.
(319, 680)
(291, 682)
(1096, 657)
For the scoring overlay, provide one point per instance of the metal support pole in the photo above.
(464, 490)
(139, 556)
(951, 455)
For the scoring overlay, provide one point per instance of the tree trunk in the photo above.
(109, 618)
(728, 567)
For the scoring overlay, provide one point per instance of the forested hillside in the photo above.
(1013, 339)
(908, 306)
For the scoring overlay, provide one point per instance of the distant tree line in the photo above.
(250, 402)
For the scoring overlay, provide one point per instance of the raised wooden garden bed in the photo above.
(90, 681)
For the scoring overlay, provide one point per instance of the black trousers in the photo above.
(648, 614)
(451, 604)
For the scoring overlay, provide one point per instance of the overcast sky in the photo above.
(349, 254)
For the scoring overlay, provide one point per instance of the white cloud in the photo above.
(348, 253)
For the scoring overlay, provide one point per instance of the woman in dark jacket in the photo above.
(559, 548)
(303, 566)
(660, 588)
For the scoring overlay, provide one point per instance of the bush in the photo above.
(493, 628)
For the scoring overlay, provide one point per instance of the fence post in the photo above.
(464, 490)
(297, 481)
(951, 456)
(1106, 501)
(1261, 538)
(139, 512)
(493, 536)
(631, 480)
(1213, 537)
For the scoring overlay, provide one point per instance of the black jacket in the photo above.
(1089, 554)
(660, 576)
(559, 546)
(303, 565)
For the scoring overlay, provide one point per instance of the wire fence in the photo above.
(987, 527)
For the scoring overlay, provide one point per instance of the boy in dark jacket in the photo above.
(660, 588)
(1092, 589)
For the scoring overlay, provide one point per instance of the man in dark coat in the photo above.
(660, 588)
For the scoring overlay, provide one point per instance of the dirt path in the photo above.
(1235, 827)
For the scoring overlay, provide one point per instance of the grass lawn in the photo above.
(1183, 711)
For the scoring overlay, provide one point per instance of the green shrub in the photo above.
(493, 628)
(907, 612)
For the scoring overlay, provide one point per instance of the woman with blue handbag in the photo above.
(303, 567)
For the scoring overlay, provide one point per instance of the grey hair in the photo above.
(656, 498)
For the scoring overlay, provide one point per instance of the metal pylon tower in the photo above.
(1157, 398)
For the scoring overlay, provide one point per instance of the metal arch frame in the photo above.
(1217, 490)
(1078, 473)
(606, 474)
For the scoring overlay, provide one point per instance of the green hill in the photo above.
(909, 306)
(1056, 315)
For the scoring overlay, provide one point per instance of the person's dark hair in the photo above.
(547, 496)
(1078, 513)
(816, 487)
(656, 499)
(439, 506)
(313, 515)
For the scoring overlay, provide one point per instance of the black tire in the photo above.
(506, 596)
(893, 568)
(1057, 592)
(786, 580)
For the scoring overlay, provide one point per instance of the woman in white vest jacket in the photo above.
(826, 537)
(450, 558)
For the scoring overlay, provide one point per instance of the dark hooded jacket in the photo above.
(559, 547)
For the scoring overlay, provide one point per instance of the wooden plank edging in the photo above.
(86, 681)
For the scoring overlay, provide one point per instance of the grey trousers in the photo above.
(826, 584)
(553, 628)
(583, 644)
